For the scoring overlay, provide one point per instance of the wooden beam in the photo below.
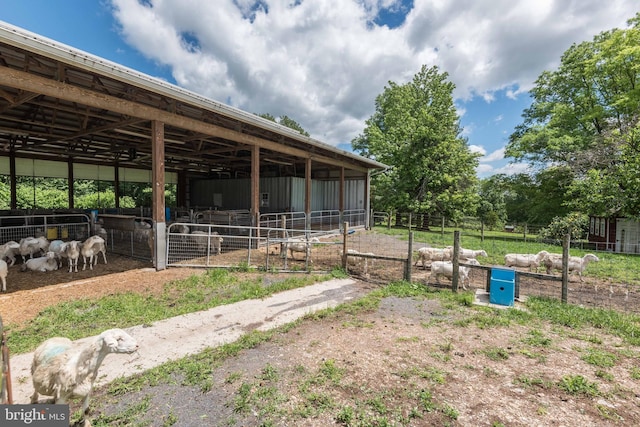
(157, 196)
(307, 187)
(255, 184)
(40, 85)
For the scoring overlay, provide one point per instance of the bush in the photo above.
(575, 224)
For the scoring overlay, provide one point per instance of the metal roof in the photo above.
(60, 103)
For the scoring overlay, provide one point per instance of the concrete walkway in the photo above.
(181, 336)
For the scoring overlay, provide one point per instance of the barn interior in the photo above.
(67, 113)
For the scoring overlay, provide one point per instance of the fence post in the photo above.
(407, 267)
(410, 219)
(345, 233)
(456, 262)
(389, 220)
(565, 267)
(442, 226)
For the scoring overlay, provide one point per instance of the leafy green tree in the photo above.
(584, 117)
(492, 209)
(285, 121)
(415, 130)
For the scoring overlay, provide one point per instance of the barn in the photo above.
(68, 114)
(614, 234)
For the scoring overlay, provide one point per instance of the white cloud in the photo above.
(323, 62)
(493, 156)
(477, 149)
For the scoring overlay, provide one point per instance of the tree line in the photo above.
(581, 136)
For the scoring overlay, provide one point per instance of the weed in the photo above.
(599, 358)
(577, 384)
(604, 375)
(496, 353)
(535, 338)
(635, 373)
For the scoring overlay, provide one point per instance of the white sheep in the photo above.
(47, 262)
(29, 246)
(58, 248)
(445, 268)
(4, 270)
(72, 253)
(467, 254)
(91, 248)
(10, 250)
(202, 241)
(357, 260)
(433, 254)
(531, 261)
(575, 264)
(67, 370)
(299, 245)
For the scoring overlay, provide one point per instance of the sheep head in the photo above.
(118, 341)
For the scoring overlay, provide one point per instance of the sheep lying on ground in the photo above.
(299, 245)
(445, 268)
(66, 370)
(203, 241)
(531, 261)
(575, 264)
(10, 250)
(4, 270)
(29, 246)
(434, 254)
(467, 254)
(91, 248)
(47, 262)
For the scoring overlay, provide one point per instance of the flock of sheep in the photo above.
(40, 254)
(439, 260)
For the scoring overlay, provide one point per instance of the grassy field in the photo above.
(615, 267)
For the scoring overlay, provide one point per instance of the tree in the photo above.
(585, 117)
(492, 209)
(415, 130)
(285, 121)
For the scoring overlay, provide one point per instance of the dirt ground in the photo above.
(411, 362)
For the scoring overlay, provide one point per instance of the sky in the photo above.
(324, 62)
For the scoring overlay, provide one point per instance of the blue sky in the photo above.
(323, 62)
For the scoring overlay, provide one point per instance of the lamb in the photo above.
(202, 239)
(10, 250)
(67, 370)
(299, 245)
(445, 268)
(4, 270)
(434, 254)
(32, 245)
(575, 264)
(91, 248)
(467, 254)
(532, 261)
(47, 262)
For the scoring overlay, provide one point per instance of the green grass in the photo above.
(619, 268)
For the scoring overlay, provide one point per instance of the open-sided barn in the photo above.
(66, 113)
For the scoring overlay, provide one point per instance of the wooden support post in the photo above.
(565, 267)
(456, 262)
(159, 243)
(345, 233)
(407, 268)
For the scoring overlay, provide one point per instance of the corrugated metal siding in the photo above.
(354, 196)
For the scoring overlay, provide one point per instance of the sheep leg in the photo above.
(104, 255)
(85, 410)
(84, 263)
